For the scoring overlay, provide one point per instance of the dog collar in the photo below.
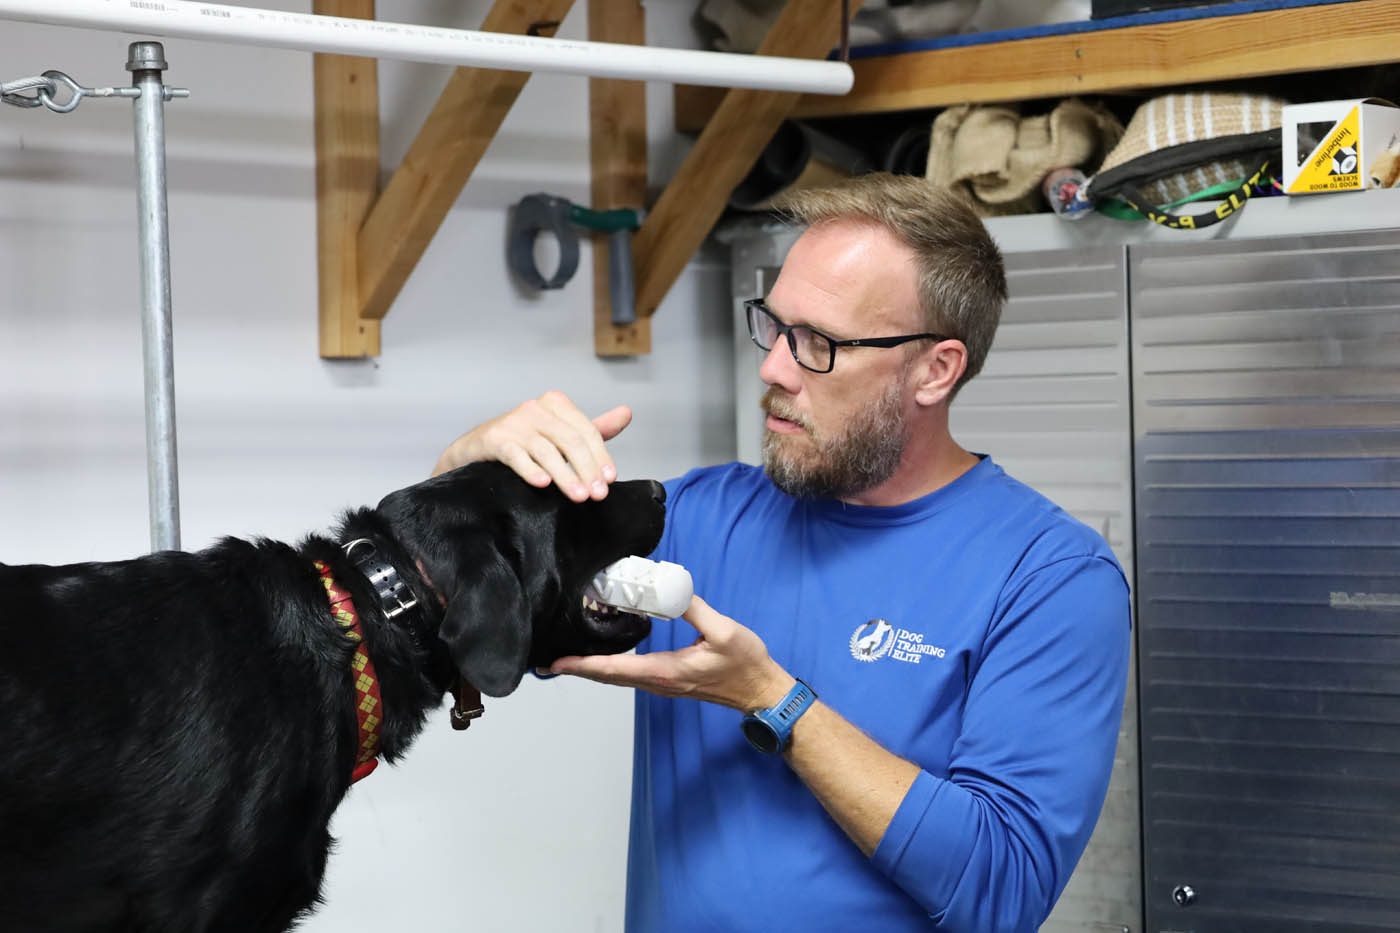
(395, 600)
(369, 705)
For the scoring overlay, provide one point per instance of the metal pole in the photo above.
(146, 61)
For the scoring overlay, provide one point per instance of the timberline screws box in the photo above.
(1341, 145)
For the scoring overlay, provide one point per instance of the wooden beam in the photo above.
(442, 158)
(617, 147)
(724, 153)
(1221, 48)
(347, 178)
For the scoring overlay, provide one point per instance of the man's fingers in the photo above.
(651, 671)
(546, 439)
(525, 466)
(580, 441)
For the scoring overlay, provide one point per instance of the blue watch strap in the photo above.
(779, 719)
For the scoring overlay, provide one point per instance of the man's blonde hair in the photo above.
(962, 281)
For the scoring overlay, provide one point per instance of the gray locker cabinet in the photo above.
(1266, 399)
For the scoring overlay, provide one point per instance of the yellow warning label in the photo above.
(1335, 164)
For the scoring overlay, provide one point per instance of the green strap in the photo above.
(1119, 210)
(604, 221)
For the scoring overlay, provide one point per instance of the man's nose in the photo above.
(779, 368)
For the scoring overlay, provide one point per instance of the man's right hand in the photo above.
(547, 439)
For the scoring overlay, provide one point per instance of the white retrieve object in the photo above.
(636, 584)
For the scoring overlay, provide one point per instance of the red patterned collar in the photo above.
(369, 705)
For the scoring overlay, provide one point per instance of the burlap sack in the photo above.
(1000, 157)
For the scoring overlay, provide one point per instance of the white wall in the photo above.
(520, 823)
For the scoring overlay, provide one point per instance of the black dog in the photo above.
(177, 730)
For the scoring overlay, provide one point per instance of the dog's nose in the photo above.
(658, 491)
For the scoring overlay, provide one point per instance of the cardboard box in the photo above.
(1341, 145)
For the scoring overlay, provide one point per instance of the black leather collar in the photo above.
(400, 606)
(396, 598)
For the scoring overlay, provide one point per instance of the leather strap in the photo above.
(467, 706)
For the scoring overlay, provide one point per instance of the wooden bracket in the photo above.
(347, 179)
(368, 246)
(369, 243)
(727, 148)
(617, 146)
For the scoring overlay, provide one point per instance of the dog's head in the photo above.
(512, 563)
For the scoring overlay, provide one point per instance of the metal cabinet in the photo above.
(1266, 406)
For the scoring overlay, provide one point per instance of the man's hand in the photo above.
(859, 782)
(547, 439)
(728, 664)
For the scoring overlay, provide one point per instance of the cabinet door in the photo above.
(1266, 403)
(1051, 406)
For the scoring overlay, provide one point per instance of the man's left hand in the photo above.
(727, 664)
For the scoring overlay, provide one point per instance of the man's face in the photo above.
(841, 433)
(858, 456)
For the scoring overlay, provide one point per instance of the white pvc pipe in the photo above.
(379, 39)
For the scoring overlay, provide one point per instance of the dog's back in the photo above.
(177, 730)
(140, 776)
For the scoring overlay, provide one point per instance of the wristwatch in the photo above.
(770, 730)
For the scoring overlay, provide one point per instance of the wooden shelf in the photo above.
(1189, 52)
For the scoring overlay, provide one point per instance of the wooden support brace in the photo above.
(617, 145)
(442, 158)
(347, 178)
(744, 123)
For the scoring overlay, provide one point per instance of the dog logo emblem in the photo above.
(872, 640)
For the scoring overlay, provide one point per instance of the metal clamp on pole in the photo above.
(539, 213)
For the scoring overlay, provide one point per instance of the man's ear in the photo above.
(938, 371)
(487, 625)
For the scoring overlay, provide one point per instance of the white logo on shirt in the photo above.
(872, 640)
(877, 638)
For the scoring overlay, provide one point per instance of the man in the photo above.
(966, 640)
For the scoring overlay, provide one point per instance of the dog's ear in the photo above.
(487, 625)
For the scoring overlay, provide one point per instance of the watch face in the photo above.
(760, 735)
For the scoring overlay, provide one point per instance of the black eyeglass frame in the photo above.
(785, 330)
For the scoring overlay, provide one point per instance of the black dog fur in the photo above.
(178, 729)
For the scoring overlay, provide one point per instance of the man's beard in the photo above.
(817, 466)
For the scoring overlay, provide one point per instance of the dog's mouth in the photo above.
(601, 616)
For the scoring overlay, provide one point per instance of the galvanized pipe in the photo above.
(146, 61)
(408, 42)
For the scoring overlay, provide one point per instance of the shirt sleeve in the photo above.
(991, 846)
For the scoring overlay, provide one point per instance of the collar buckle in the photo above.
(395, 598)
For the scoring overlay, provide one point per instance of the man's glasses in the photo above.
(812, 349)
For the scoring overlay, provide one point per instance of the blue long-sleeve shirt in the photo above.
(979, 632)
